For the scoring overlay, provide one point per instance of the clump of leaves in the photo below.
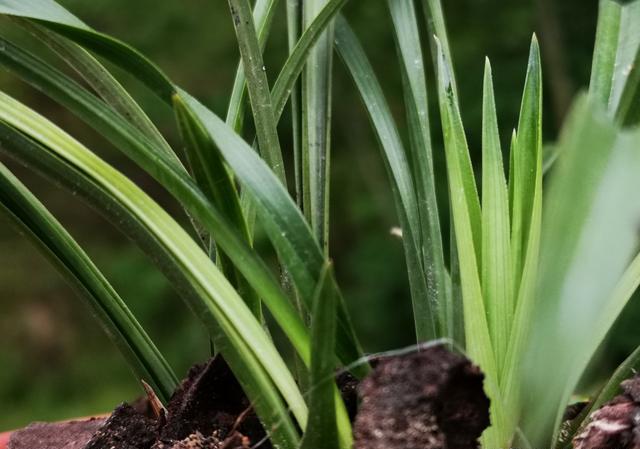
(535, 280)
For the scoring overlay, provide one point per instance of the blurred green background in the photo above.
(56, 363)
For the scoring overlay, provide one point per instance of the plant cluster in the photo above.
(532, 277)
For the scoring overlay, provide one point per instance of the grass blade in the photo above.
(625, 76)
(496, 263)
(102, 82)
(283, 221)
(465, 210)
(216, 183)
(438, 29)
(257, 86)
(30, 215)
(399, 171)
(263, 12)
(415, 91)
(322, 430)
(604, 54)
(527, 152)
(316, 127)
(294, 28)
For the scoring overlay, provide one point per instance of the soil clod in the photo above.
(67, 435)
(615, 425)
(126, 428)
(431, 399)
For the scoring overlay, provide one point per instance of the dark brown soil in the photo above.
(68, 435)
(431, 399)
(126, 428)
(615, 425)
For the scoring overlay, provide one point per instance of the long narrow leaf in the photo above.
(258, 86)
(120, 324)
(496, 262)
(263, 12)
(604, 54)
(527, 151)
(316, 126)
(322, 430)
(399, 171)
(415, 92)
(581, 268)
(464, 206)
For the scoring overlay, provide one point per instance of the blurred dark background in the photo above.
(55, 361)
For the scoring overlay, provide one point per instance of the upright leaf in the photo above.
(415, 91)
(322, 430)
(316, 126)
(580, 264)
(399, 172)
(604, 54)
(527, 151)
(263, 12)
(496, 256)
(257, 86)
(465, 210)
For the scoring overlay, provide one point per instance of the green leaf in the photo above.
(316, 126)
(527, 152)
(30, 215)
(626, 76)
(219, 304)
(465, 210)
(173, 177)
(282, 220)
(263, 12)
(415, 91)
(399, 171)
(604, 54)
(102, 82)
(496, 263)
(214, 179)
(286, 235)
(581, 266)
(322, 430)
(438, 31)
(294, 28)
(257, 86)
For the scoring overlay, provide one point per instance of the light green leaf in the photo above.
(604, 54)
(465, 210)
(527, 151)
(581, 266)
(496, 263)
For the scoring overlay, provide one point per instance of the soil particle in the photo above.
(615, 425)
(431, 399)
(348, 386)
(199, 441)
(67, 435)
(210, 400)
(126, 428)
